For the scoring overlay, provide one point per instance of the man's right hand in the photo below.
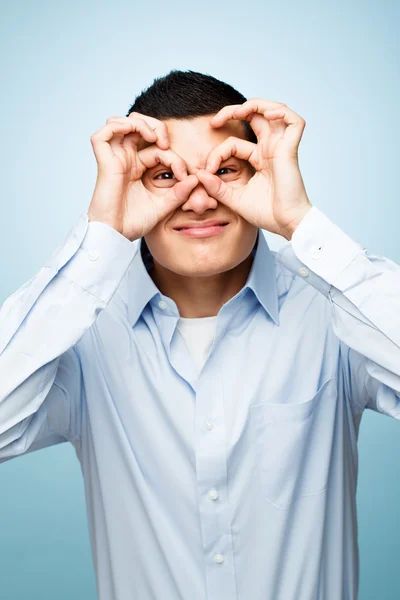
(120, 198)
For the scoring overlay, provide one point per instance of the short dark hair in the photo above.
(188, 94)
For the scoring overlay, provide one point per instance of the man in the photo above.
(212, 388)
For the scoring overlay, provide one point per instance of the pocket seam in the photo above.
(288, 410)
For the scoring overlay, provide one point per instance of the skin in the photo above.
(200, 274)
(154, 175)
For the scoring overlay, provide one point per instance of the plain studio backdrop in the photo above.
(66, 68)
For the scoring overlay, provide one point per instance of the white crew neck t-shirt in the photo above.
(198, 334)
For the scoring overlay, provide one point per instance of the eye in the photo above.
(160, 175)
(223, 169)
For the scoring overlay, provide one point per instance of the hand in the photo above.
(120, 199)
(275, 198)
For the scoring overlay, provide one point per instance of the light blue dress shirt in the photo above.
(239, 483)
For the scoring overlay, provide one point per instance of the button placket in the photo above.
(211, 470)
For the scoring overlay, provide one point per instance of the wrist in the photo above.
(291, 227)
(94, 218)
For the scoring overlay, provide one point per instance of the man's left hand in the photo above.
(275, 198)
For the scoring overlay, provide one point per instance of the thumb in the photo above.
(215, 187)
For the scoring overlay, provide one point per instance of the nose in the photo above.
(199, 201)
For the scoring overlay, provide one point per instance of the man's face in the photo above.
(203, 256)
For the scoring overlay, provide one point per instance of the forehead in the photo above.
(196, 135)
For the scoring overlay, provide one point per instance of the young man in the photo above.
(212, 388)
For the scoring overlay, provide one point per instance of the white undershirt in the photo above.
(198, 335)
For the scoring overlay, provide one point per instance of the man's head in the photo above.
(185, 101)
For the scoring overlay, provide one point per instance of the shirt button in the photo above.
(213, 494)
(219, 558)
(162, 304)
(92, 255)
(303, 272)
(209, 425)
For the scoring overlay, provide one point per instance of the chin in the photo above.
(204, 266)
(190, 269)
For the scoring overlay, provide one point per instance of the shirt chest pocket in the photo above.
(294, 445)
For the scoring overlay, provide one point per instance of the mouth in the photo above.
(201, 232)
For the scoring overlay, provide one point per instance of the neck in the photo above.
(201, 296)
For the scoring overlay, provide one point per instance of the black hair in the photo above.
(188, 94)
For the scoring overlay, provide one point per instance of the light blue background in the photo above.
(67, 68)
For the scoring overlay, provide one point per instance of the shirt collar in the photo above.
(261, 280)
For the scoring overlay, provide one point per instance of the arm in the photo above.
(364, 292)
(40, 379)
(41, 323)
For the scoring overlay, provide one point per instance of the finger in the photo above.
(140, 130)
(260, 126)
(119, 139)
(156, 125)
(153, 156)
(101, 138)
(131, 142)
(140, 126)
(256, 105)
(216, 188)
(177, 195)
(241, 111)
(295, 124)
(159, 128)
(100, 141)
(232, 146)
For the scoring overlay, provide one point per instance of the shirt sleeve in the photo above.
(364, 292)
(40, 325)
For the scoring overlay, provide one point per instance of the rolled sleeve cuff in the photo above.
(322, 246)
(101, 260)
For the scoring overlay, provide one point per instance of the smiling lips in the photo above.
(205, 229)
(200, 224)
